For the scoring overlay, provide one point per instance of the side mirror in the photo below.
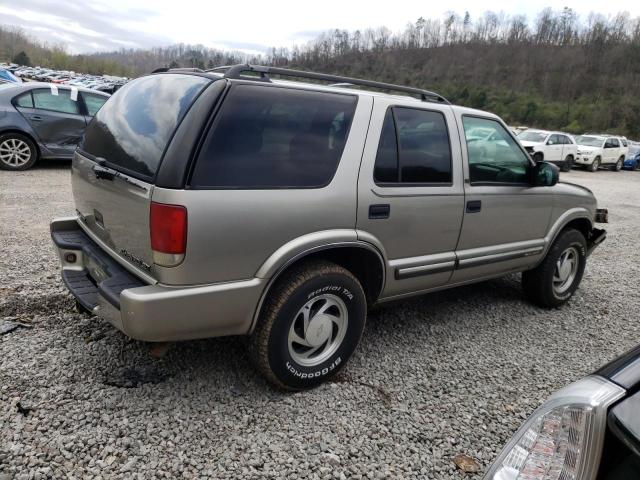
(551, 142)
(545, 174)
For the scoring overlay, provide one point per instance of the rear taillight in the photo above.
(168, 228)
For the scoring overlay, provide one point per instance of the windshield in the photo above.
(589, 141)
(538, 137)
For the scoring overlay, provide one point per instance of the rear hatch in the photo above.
(114, 168)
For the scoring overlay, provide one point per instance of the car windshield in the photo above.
(532, 136)
(589, 141)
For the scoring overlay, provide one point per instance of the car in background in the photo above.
(589, 430)
(632, 160)
(41, 121)
(595, 151)
(555, 147)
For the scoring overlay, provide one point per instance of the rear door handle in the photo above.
(474, 206)
(36, 118)
(381, 211)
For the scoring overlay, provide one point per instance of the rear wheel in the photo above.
(618, 165)
(17, 152)
(310, 325)
(554, 281)
(568, 163)
(595, 165)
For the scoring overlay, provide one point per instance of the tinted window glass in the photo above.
(58, 103)
(93, 102)
(386, 168)
(424, 153)
(615, 142)
(133, 129)
(498, 159)
(275, 138)
(25, 100)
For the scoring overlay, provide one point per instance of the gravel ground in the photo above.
(443, 374)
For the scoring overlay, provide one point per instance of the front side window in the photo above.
(93, 102)
(496, 160)
(414, 148)
(62, 102)
(272, 137)
(554, 140)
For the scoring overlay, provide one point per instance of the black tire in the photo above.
(618, 165)
(595, 165)
(637, 165)
(7, 138)
(269, 343)
(538, 157)
(538, 283)
(567, 164)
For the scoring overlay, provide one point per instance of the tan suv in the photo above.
(230, 203)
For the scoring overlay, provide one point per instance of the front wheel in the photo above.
(595, 165)
(310, 325)
(554, 281)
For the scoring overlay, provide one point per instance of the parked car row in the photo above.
(43, 120)
(102, 83)
(591, 150)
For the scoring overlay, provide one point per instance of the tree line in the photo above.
(557, 70)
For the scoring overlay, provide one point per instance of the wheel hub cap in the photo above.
(317, 330)
(566, 270)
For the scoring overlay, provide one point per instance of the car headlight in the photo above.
(563, 438)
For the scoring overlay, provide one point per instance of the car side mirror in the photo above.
(550, 142)
(545, 174)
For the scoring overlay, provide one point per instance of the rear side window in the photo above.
(25, 100)
(414, 148)
(60, 102)
(272, 137)
(132, 129)
(93, 102)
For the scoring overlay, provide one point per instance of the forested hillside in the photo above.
(557, 71)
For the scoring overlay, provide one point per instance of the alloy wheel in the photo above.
(14, 152)
(565, 270)
(318, 329)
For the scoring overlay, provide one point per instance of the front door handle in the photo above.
(474, 206)
(381, 211)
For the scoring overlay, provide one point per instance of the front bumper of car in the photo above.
(584, 159)
(149, 311)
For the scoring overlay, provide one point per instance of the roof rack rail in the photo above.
(181, 69)
(236, 71)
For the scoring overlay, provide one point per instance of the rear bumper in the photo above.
(150, 312)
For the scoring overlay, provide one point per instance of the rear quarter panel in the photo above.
(231, 233)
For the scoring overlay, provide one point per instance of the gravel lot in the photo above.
(448, 373)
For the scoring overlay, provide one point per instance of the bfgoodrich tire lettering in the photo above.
(311, 285)
(554, 281)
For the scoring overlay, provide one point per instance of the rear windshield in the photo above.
(133, 128)
(275, 138)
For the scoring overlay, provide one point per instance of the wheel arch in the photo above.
(577, 218)
(362, 259)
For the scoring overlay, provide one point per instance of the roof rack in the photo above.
(236, 71)
(182, 69)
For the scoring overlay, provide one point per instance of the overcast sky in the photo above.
(248, 25)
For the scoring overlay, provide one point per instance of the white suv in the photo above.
(554, 147)
(595, 151)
